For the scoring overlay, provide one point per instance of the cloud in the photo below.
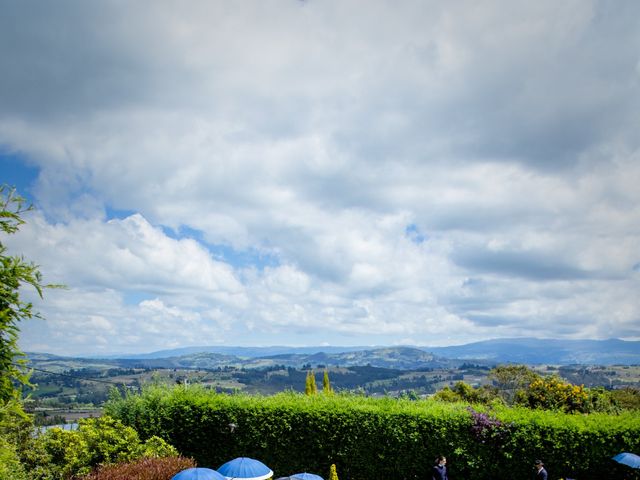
(531, 265)
(129, 254)
(309, 172)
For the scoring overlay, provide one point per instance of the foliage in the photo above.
(310, 387)
(552, 393)
(519, 385)
(378, 438)
(10, 466)
(466, 392)
(626, 399)
(333, 473)
(512, 379)
(41, 419)
(15, 428)
(463, 392)
(15, 272)
(60, 454)
(409, 395)
(162, 468)
(326, 384)
(155, 447)
(446, 394)
(488, 429)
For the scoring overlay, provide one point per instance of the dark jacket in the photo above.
(440, 473)
(541, 474)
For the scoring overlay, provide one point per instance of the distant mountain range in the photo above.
(244, 352)
(533, 351)
(530, 351)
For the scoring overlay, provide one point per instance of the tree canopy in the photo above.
(15, 272)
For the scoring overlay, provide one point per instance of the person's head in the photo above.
(538, 464)
(441, 460)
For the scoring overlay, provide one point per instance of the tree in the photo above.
(466, 392)
(511, 380)
(310, 387)
(463, 392)
(15, 272)
(447, 395)
(326, 384)
(333, 473)
(627, 398)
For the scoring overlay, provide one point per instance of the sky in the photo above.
(333, 172)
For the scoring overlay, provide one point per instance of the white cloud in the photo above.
(272, 157)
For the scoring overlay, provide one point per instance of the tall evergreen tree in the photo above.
(326, 384)
(333, 473)
(310, 387)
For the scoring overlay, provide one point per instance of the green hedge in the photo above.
(377, 438)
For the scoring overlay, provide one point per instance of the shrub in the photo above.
(161, 468)
(377, 438)
(60, 454)
(10, 466)
(446, 395)
(627, 398)
(154, 447)
(15, 429)
(463, 392)
(333, 473)
(552, 393)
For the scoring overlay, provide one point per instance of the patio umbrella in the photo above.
(198, 474)
(302, 476)
(630, 459)
(306, 476)
(245, 468)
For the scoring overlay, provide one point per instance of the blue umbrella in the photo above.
(306, 476)
(198, 474)
(630, 459)
(245, 468)
(302, 476)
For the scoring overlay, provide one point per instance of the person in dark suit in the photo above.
(541, 473)
(439, 471)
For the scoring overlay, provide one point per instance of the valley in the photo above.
(67, 388)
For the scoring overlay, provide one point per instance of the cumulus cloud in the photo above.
(310, 172)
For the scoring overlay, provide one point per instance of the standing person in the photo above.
(541, 473)
(439, 471)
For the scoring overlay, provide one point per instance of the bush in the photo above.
(377, 438)
(10, 466)
(627, 398)
(145, 469)
(60, 454)
(15, 426)
(552, 393)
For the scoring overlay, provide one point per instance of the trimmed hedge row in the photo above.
(377, 438)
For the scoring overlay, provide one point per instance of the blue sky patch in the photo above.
(114, 213)
(16, 172)
(251, 257)
(136, 297)
(413, 233)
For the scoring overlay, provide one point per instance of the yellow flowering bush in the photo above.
(552, 393)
